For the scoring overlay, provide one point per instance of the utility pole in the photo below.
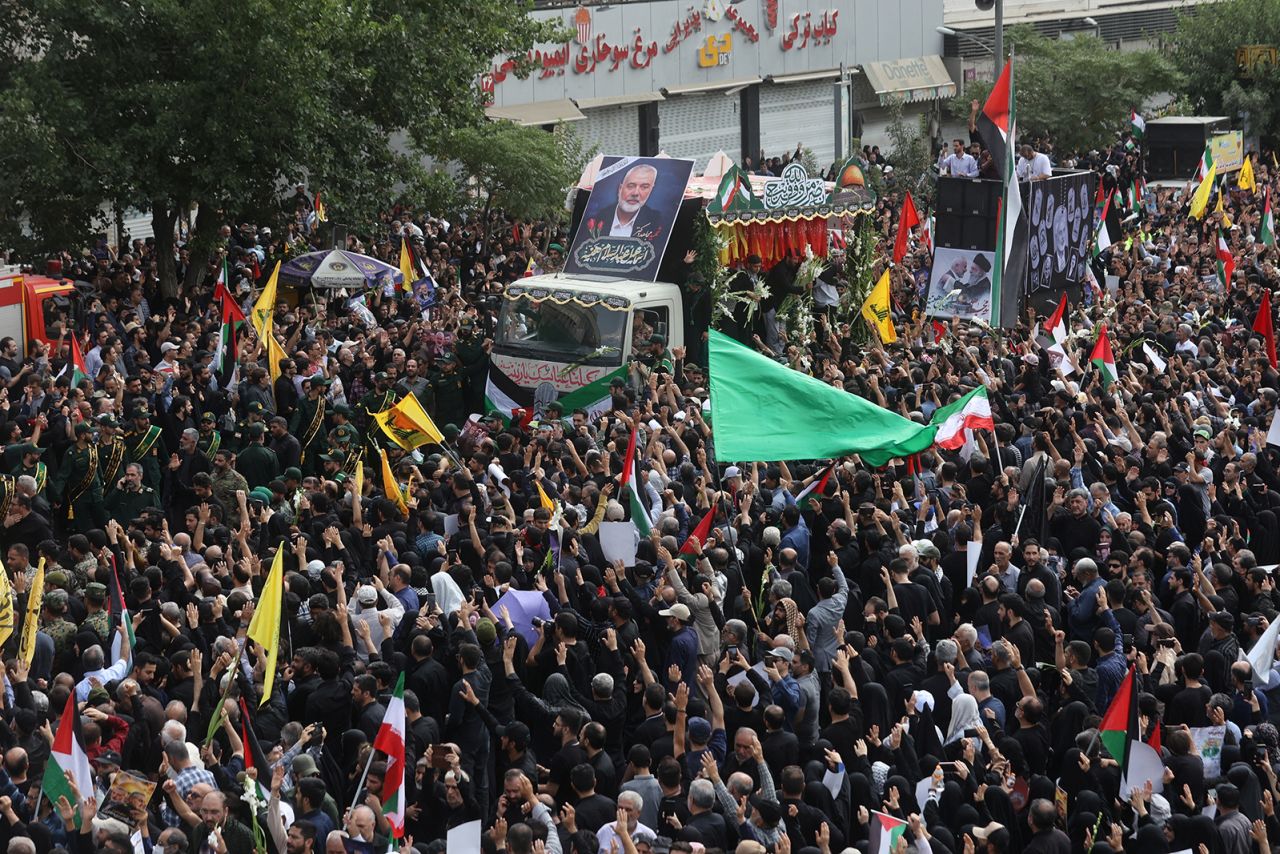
(998, 41)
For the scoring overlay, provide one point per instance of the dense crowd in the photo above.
(803, 678)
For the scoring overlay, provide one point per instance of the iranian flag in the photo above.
(955, 420)
(1206, 163)
(1267, 231)
(1137, 125)
(885, 832)
(1226, 263)
(639, 516)
(1139, 761)
(390, 740)
(999, 128)
(1103, 359)
(1103, 241)
(75, 364)
(68, 761)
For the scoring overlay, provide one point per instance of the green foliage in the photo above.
(174, 103)
(1204, 46)
(1077, 91)
(524, 171)
(706, 250)
(861, 242)
(911, 154)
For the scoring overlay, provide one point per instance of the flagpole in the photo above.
(363, 777)
(995, 443)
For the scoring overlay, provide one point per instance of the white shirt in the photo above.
(114, 673)
(961, 165)
(1036, 167)
(619, 229)
(606, 835)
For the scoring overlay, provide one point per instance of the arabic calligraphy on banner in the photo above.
(794, 189)
(808, 31)
(590, 50)
(530, 373)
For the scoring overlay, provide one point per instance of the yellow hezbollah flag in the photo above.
(406, 265)
(275, 353)
(265, 307)
(31, 622)
(264, 629)
(876, 310)
(389, 485)
(1245, 180)
(545, 499)
(408, 424)
(358, 478)
(6, 606)
(1200, 200)
(1218, 208)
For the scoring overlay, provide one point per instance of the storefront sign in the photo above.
(715, 51)
(809, 30)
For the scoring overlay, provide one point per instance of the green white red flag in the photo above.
(1103, 359)
(391, 740)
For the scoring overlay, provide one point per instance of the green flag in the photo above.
(765, 411)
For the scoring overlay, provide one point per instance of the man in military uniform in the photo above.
(31, 465)
(378, 398)
(55, 624)
(308, 422)
(256, 413)
(210, 439)
(473, 364)
(99, 617)
(77, 489)
(334, 464)
(129, 496)
(447, 385)
(226, 482)
(656, 356)
(111, 453)
(145, 445)
(256, 461)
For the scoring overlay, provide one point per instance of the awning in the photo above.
(695, 88)
(804, 76)
(541, 113)
(924, 78)
(618, 100)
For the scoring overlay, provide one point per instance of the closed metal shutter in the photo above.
(799, 112)
(611, 130)
(697, 126)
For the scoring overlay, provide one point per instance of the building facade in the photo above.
(694, 78)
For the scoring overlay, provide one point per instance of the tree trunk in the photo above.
(204, 232)
(163, 219)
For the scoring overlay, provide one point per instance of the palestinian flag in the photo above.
(254, 757)
(68, 761)
(1137, 125)
(734, 193)
(1102, 241)
(75, 364)
(955, 420)
(639, 515)
(907, 220)
(1267, 230)
(390, 740)
(1056, 326)
(885, 832)
(1226, 262)
(322, 213)
(225, 357)
(998, 124)
(819, 484)
(1103, 359)
(1263, 325)
(1121, 735)
(702, 531)
(118, 614)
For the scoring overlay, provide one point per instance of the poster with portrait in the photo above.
(1059, 225)
(960, 284)
(629, 217)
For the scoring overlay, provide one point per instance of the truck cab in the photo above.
(567, 338)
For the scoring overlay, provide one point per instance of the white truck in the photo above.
(566, 338)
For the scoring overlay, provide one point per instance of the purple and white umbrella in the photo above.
(338, 268)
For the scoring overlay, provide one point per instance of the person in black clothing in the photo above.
(591, 811)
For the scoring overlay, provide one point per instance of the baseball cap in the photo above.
(926, 548)
(781, 652)
(699, 730)
(732, 471)
(366, 594)
(109, 757)
(1224, 619)
(986, 832)
(679, 610)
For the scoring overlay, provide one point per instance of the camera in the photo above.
(537, 622)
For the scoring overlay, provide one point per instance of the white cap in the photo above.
(732, 471)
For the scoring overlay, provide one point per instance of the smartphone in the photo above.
(440, 754)
(431, 602)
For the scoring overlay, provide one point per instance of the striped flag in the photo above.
(956, 420)
(226, 355)
(885, 832)
(1137, 124)
(390, 740)
(1267, 230)
(75, 364)
(1102, 241)
(639, 515)
(1226, 261)
(118, 614)
(1120, 733)
(1000, 116)
(68, 761)
(254, 756)
(1103, 359)
(1263, 325)
(700, 533)
(819, 484)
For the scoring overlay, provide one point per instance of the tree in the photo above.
(912, 156)
(171, 104)
(1204, 47)
(1086, 108)
(523, 171)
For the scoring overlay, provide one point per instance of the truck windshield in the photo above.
(562, 330)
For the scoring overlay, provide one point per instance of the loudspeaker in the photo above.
(966, 213)
(950, 196)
